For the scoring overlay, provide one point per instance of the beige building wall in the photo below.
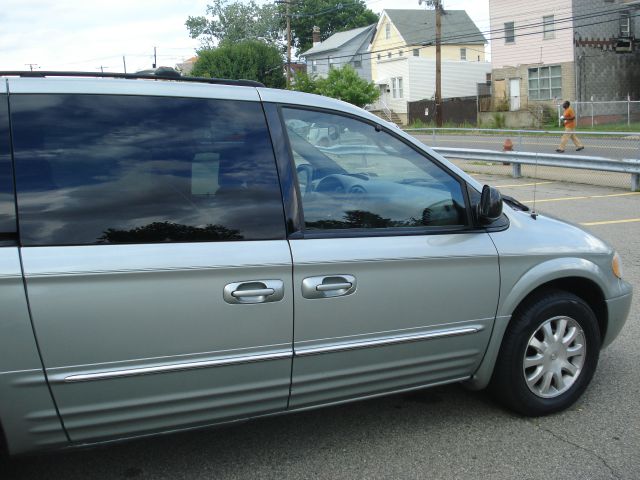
(502, 86)
(383, 48)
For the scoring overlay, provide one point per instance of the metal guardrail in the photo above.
(517, 159)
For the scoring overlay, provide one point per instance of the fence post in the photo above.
(628, 109)
(635, 182)
(516, 170)
(591, 114)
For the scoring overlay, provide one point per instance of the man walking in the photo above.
(569, 118)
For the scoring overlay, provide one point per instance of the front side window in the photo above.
(357, 61)
(416, 52)
(509, 32)
(353, 176)
(548, 30)
(314, 66)
(102, 169)
(387, 31)
(463, 54)
(545, 83)
(7, 203)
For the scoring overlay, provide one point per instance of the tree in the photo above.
(345, 84)
(249, 60)
(232, 22)
(303, 82)
(330, 15)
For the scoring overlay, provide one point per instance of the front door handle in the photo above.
(254, 291)
(328, 286)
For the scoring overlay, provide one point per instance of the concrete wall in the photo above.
(515, 120)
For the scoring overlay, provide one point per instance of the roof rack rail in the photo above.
(132, 76)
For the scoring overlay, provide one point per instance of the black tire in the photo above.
(509, 385)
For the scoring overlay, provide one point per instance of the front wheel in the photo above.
(548, 354)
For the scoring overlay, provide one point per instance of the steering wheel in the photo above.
(305, 177)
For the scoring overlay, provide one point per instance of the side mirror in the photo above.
(490, 207)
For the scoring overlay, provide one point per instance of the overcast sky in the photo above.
(89, 34)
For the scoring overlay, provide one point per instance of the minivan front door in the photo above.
(393, 290)
(154, 251)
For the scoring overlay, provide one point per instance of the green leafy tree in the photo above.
(345, 84)
(249, 60)
(232, 22)
(303, 82)
(330, 15)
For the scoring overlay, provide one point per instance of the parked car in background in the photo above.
(176, 255)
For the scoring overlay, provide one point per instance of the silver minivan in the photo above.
(181, 254)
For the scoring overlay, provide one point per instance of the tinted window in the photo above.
(7, 204)
(353, 176)
(124, 169)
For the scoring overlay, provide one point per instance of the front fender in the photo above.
(515, 288)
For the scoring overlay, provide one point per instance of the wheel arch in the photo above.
(575, 275)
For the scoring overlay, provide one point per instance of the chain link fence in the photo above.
(594, 114)
(610, 145)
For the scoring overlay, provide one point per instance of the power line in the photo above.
(430, 40)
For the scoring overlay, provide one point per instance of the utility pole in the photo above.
(155, 58)
(438, 5)
(31, 65)
(124, 62)
(288, 45)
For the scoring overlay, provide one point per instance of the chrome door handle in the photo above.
(328, 286)
(254, 291)
(264, 292)
(333, 286)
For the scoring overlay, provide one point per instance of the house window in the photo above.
(388, 54)
(314, 66)
(357, 61)
(379, 57)
(416, 52)
(401, 53)
(396, 87)
(387, 31)
(548, 29)
(332, 62)
(463, 54)
(625, 25)
(509, 32)
(545, 83)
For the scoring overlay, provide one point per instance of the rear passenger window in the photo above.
(7, 203)
(94, 169)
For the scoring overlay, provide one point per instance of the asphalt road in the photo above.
(441, 433)
(627, 146)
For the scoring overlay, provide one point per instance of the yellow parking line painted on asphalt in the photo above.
(522, 185)
(561, 199)
(610, 222)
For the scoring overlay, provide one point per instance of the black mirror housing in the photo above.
(490, 206)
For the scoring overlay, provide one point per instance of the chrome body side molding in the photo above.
(379, 342)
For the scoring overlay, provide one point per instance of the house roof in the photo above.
(337, 40)
(419, 26)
